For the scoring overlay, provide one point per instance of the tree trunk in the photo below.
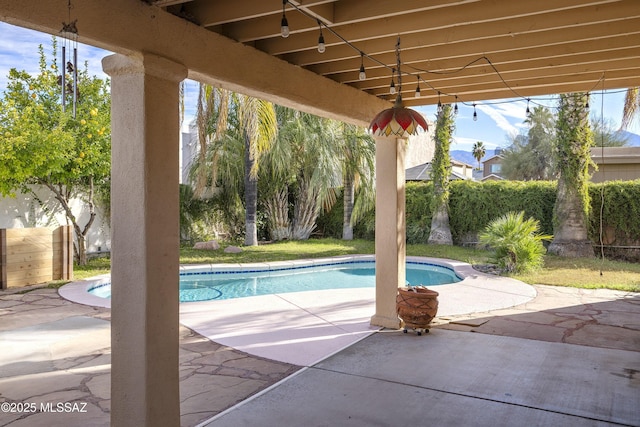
(63, 196)
(250, 197)
(574, 139)
(305, 212)
(278, 212)
(348, 197)
(570, 238)
(440, 232)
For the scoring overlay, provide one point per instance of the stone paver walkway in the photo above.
(590, 317)
(54, 351)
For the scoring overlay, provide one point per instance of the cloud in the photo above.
(501, 113)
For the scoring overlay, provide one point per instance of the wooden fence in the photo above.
(35, 255)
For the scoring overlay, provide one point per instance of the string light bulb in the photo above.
(418, 88)
(528, 112)
(587, 104)
(321, 45)
(455, 107)
(475, 114)
(284, 24)
(392, 86)
(439, 103)
(363, 74)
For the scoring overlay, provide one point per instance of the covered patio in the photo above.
(457, 50)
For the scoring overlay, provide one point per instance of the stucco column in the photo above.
(145, 130)
(390, 228)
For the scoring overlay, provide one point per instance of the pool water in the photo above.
(227, 285)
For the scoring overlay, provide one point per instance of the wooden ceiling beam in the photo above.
(558, 42)
(445, 18)
(476, 32)
(524, 92)
(509, 72)
(493, 82)
(211, 13)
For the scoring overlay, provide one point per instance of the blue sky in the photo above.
(497, 119)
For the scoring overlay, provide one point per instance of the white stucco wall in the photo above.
(43, 210)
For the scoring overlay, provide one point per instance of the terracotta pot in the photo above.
(416, 306)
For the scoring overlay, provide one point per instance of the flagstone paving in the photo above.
(55, 351)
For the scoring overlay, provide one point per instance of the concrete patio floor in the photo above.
(566, 357)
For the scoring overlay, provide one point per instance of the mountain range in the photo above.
(632, 139)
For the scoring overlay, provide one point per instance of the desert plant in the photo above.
(517, 244)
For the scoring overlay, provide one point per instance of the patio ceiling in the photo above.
(455, 46)
(473, 49)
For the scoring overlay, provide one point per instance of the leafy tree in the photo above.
(440, 171)
(478, 151)
(530, 156)
(574, 142)
(42, 145)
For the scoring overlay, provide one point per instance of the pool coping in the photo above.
(303, 328)
(77, 291)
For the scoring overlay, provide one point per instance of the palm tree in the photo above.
(478, 152)
(358, 165)
(440, 170)
(631, 106)
(224, 120)
(574, 142)
(260, 127)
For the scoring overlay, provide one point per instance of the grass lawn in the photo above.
(581, 273)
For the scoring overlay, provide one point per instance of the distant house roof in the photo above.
(492, 177)
(610, 155)
(423, 172)
(459, 163)
(499, 156)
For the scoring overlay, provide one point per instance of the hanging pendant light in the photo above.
(398, 120)
(69, 35)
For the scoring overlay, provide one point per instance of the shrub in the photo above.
(517, 244)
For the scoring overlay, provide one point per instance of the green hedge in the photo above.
(621, 208)
(472, 205)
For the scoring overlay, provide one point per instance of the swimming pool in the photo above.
(211, 283)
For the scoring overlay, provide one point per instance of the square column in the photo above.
(390, 228)
(145, 126)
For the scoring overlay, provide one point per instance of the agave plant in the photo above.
(517, 244)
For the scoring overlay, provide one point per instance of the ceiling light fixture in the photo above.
(398, 120)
